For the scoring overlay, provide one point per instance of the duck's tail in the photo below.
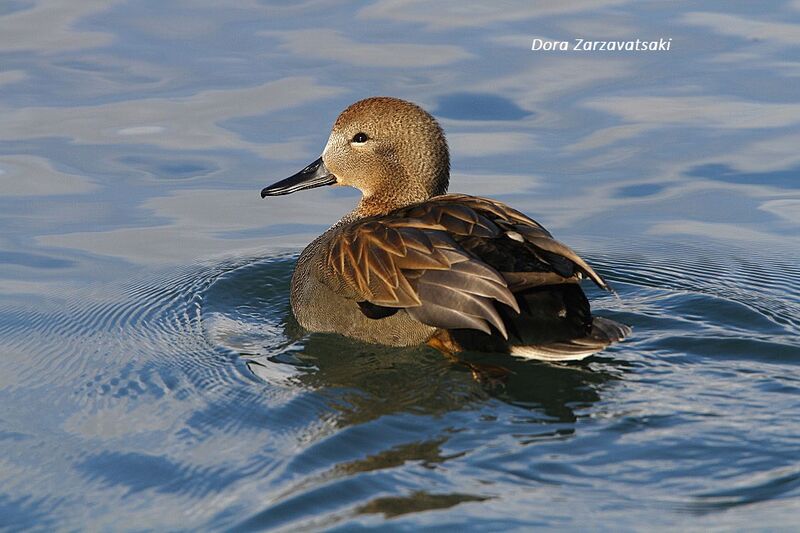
(603, 333)
(554, 324)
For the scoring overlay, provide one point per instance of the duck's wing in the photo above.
(521, 248)
(448, 261)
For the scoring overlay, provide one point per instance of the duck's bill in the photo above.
(314, 175)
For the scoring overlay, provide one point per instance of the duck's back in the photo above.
(486, 275)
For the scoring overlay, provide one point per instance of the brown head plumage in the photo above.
(393, 151)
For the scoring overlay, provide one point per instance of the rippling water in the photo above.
(151, 376)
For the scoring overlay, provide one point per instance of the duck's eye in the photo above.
(360, 138)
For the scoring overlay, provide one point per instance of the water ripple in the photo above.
(392, 432)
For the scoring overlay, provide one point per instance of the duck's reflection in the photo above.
(363, 382)
(390, 413)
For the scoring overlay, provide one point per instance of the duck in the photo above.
(412, 264)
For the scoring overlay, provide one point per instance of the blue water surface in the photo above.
(152, 378)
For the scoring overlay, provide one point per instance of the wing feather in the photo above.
(433, 259)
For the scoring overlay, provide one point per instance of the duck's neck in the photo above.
(387, 200)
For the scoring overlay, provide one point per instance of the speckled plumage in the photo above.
(410, 263)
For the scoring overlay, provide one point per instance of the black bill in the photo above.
(314, 175)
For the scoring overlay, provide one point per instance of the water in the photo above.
(151, 377)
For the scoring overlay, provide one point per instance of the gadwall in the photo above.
(412, 264)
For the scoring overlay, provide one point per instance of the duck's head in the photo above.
(393, 151)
